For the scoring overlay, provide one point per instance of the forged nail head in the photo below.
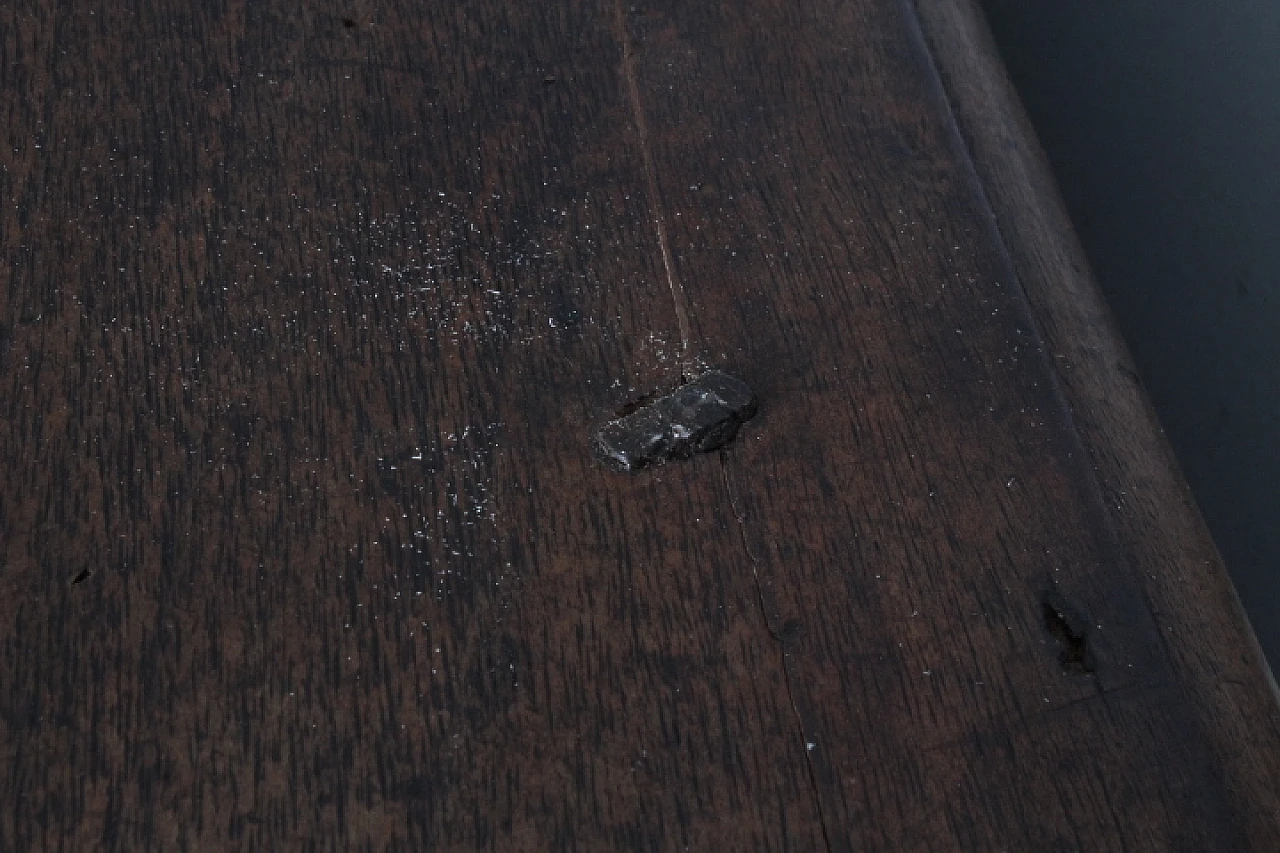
(700, 416)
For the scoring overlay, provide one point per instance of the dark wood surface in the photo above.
(1149, 507)
(306, 321)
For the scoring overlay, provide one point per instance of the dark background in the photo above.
(1162, 123)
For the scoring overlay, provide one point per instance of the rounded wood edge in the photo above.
(1213, 649)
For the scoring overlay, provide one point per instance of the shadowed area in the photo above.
(1162, 122)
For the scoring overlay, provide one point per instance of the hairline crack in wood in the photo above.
(682, 318)
(651, 181)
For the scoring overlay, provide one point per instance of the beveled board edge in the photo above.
(1154, 516)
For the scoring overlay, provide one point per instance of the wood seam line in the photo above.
(655, 201)
(776, 636)
(1240, 725)
(1110, 540)
(965, 10)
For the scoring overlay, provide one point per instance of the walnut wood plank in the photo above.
(307, 321)
(305, 546)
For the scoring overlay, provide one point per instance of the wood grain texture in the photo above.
(1148, 504)
(306, 320)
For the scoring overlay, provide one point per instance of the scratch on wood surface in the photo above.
(651, 182)
(779, 634)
